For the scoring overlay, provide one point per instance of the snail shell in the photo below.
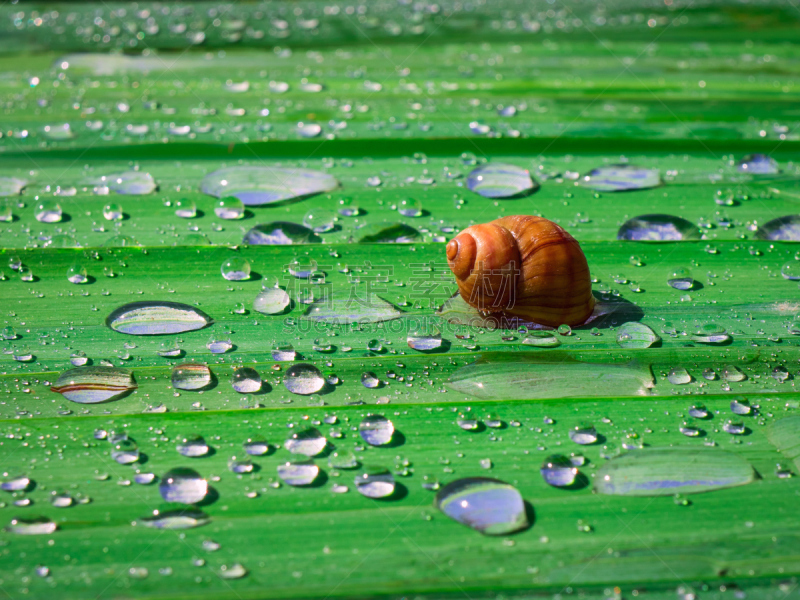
(523, 266)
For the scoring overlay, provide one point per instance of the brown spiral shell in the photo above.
(523, 266)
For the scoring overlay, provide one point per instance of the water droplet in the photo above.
(229, 208)
(129, 183)
(256, 447)
(193, 446)
(423, 336)
(77, 274)
(91, 385)
(48, 211)
(791, 271)
(234, 571)
(280, 233)
(375, 482)
(543, 376)
(11, 186)
(309, 442)
(284, 353)
(298, 473)
(669, 471)
(348, 207)
(658, 228)
(734, 427)
(558, 471)
(236, 269)
(498, 180)
(376, 430)
(342, 460)
(732, 373)
(176, 519)
(240, 465)
(680, 279)
(621, 178)
(113, 212)
(698, 411)
(410, 207)
(343, 310)
(786, 229)
(387, 233)
(16, 484)
(467, 422)
(186, 208)
(31, 526)
(271, 301)
(583, 434)
(489, 506)
(183, 485)
(190, 376)
(758, 164)
(144, 478)
(219, 345)
(156, 318)
(246, 380)
(258, 185)
(303, 379)
(541, 339)
(690, 428)
(320, 220)
(636, 335)
(679, 376)
(125, 452)
(741, 406)
(370, 380)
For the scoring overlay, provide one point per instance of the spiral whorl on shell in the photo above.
(523, 266)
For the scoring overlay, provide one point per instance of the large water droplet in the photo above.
(636, 335)
(498, 180)
(298, 473)
(280, 233)
(236, 269)
(559, 471)
(176, 519)
(658, 228)
(133, 183)
(48, 211)
(246, 380)
(583, 434)
(190, 376)
(11, 186)
(193, 446)
(233, 571)
(679, 376)
(303, 379)
(489, 506)
(669, 471)
(309, 442)
(345, 309)
(257, 185)
(31, 526)
(621, 178)
(387, 233)
(183, 485)
(156, 318)
(758, 164)
(16, 484)
(376, 430)
(423, 336)
(375, 482)
(271, 301)
(785, 435)
(784, 229)
(93, 384)
(496, 377)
